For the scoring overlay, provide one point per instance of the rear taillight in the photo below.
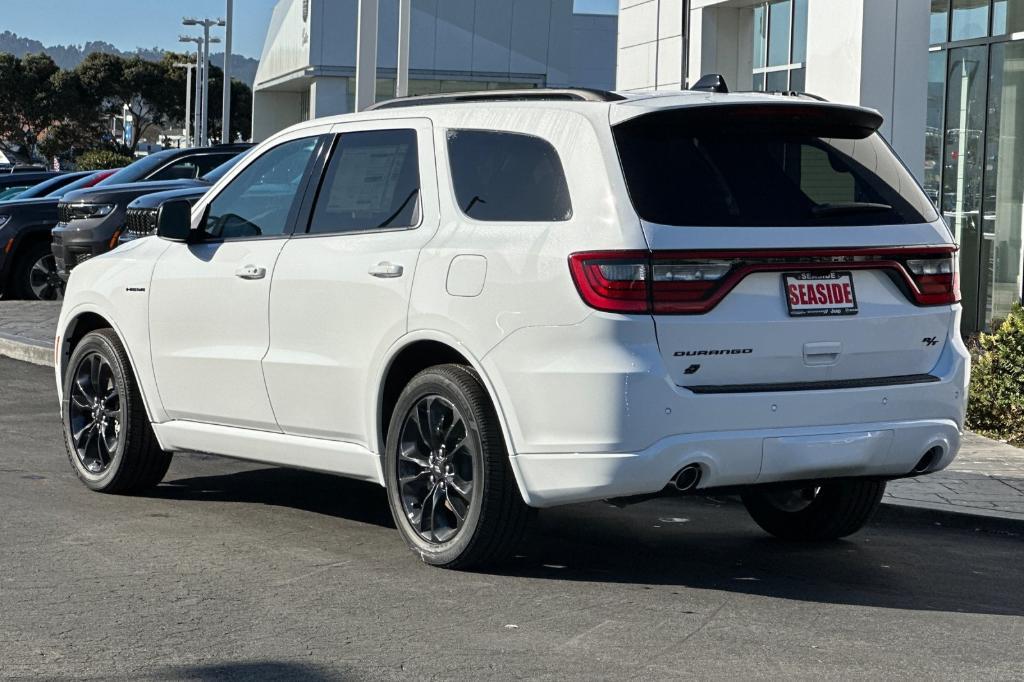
(694, 282)
(612, 281)
(642, 282)
(936, 279)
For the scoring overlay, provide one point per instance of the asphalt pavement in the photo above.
(238, 571)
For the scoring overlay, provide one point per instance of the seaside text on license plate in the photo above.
(819, 293)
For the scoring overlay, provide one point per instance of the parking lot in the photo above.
(231, 570)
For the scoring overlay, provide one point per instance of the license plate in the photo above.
(819, 293)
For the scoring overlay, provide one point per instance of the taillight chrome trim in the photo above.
(746, 262)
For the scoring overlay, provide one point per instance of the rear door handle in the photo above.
(822, 353)
(251, 272)
(386, 269)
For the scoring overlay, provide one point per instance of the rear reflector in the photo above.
(674, 283)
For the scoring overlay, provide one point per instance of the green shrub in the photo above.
(101, 159)
(996, 398)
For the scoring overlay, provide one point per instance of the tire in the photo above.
(494, 519)
(826, 512)
(121, 455)
(34, 276)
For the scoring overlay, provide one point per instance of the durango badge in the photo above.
(715, 351)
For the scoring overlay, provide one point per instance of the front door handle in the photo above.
(386, 269)
(251, 272)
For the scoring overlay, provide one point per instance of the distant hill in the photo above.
(70, 56)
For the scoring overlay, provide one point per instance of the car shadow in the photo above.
(304, 490)
(900, 561)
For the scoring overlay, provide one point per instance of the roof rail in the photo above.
(794, 93)
(524, 95)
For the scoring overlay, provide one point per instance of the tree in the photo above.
(241, 107)
(30, 102)
(142, 87)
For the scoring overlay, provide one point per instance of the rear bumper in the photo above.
(591, 413)
(737, 458)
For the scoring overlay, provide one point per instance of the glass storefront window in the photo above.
(970, 19)
(760, 35)
(963, 162)
(1003, 201)
(779, 45)
(933, 125)
(1007, 16)
(799, 32)
(939, 22)
(974, 148)
(778, 32)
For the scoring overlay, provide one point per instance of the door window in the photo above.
(372, 183)
(260, 199)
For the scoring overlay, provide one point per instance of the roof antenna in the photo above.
(711, 82)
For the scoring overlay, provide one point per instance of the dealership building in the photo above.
(948, 75)
(307, 68)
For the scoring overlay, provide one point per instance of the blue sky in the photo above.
(128, 24)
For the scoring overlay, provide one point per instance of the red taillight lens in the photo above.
(936, 279)
(641, 282)
(615, 282)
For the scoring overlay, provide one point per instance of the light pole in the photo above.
(197, 114)
(188, 66)
(225, 109)
(205, 94)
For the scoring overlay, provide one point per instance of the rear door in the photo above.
(340, 296)
(790, 247)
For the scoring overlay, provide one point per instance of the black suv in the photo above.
(26, 263)
(91, 221)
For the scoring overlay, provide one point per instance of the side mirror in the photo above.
(174, 220)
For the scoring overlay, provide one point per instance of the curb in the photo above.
(25, 349)
(966, 518)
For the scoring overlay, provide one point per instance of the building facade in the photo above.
(307, 69)
(948, 75)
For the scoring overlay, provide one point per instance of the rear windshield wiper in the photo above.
(845, 207)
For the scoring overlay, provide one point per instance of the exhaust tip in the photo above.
(927, 461)
(687, 478)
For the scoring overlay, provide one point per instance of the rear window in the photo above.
(731, 168)
(507, 177)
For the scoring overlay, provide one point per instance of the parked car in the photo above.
(140, 216)
(20, 181)
(91, 221)
(27, 268)
(45, 187)
(493, 302)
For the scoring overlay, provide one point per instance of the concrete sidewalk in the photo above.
(27, 329)
(985, 480)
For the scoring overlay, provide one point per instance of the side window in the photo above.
(183, 169)
(372, 182)
(258, 201)
(191, 167)
(507, 177)
(207, 162)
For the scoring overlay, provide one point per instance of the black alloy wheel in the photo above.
(449, 481)
(96, 413)
(436, 466)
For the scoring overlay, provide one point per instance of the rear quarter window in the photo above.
(507, 177)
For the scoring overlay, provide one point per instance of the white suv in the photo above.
(494, 302)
